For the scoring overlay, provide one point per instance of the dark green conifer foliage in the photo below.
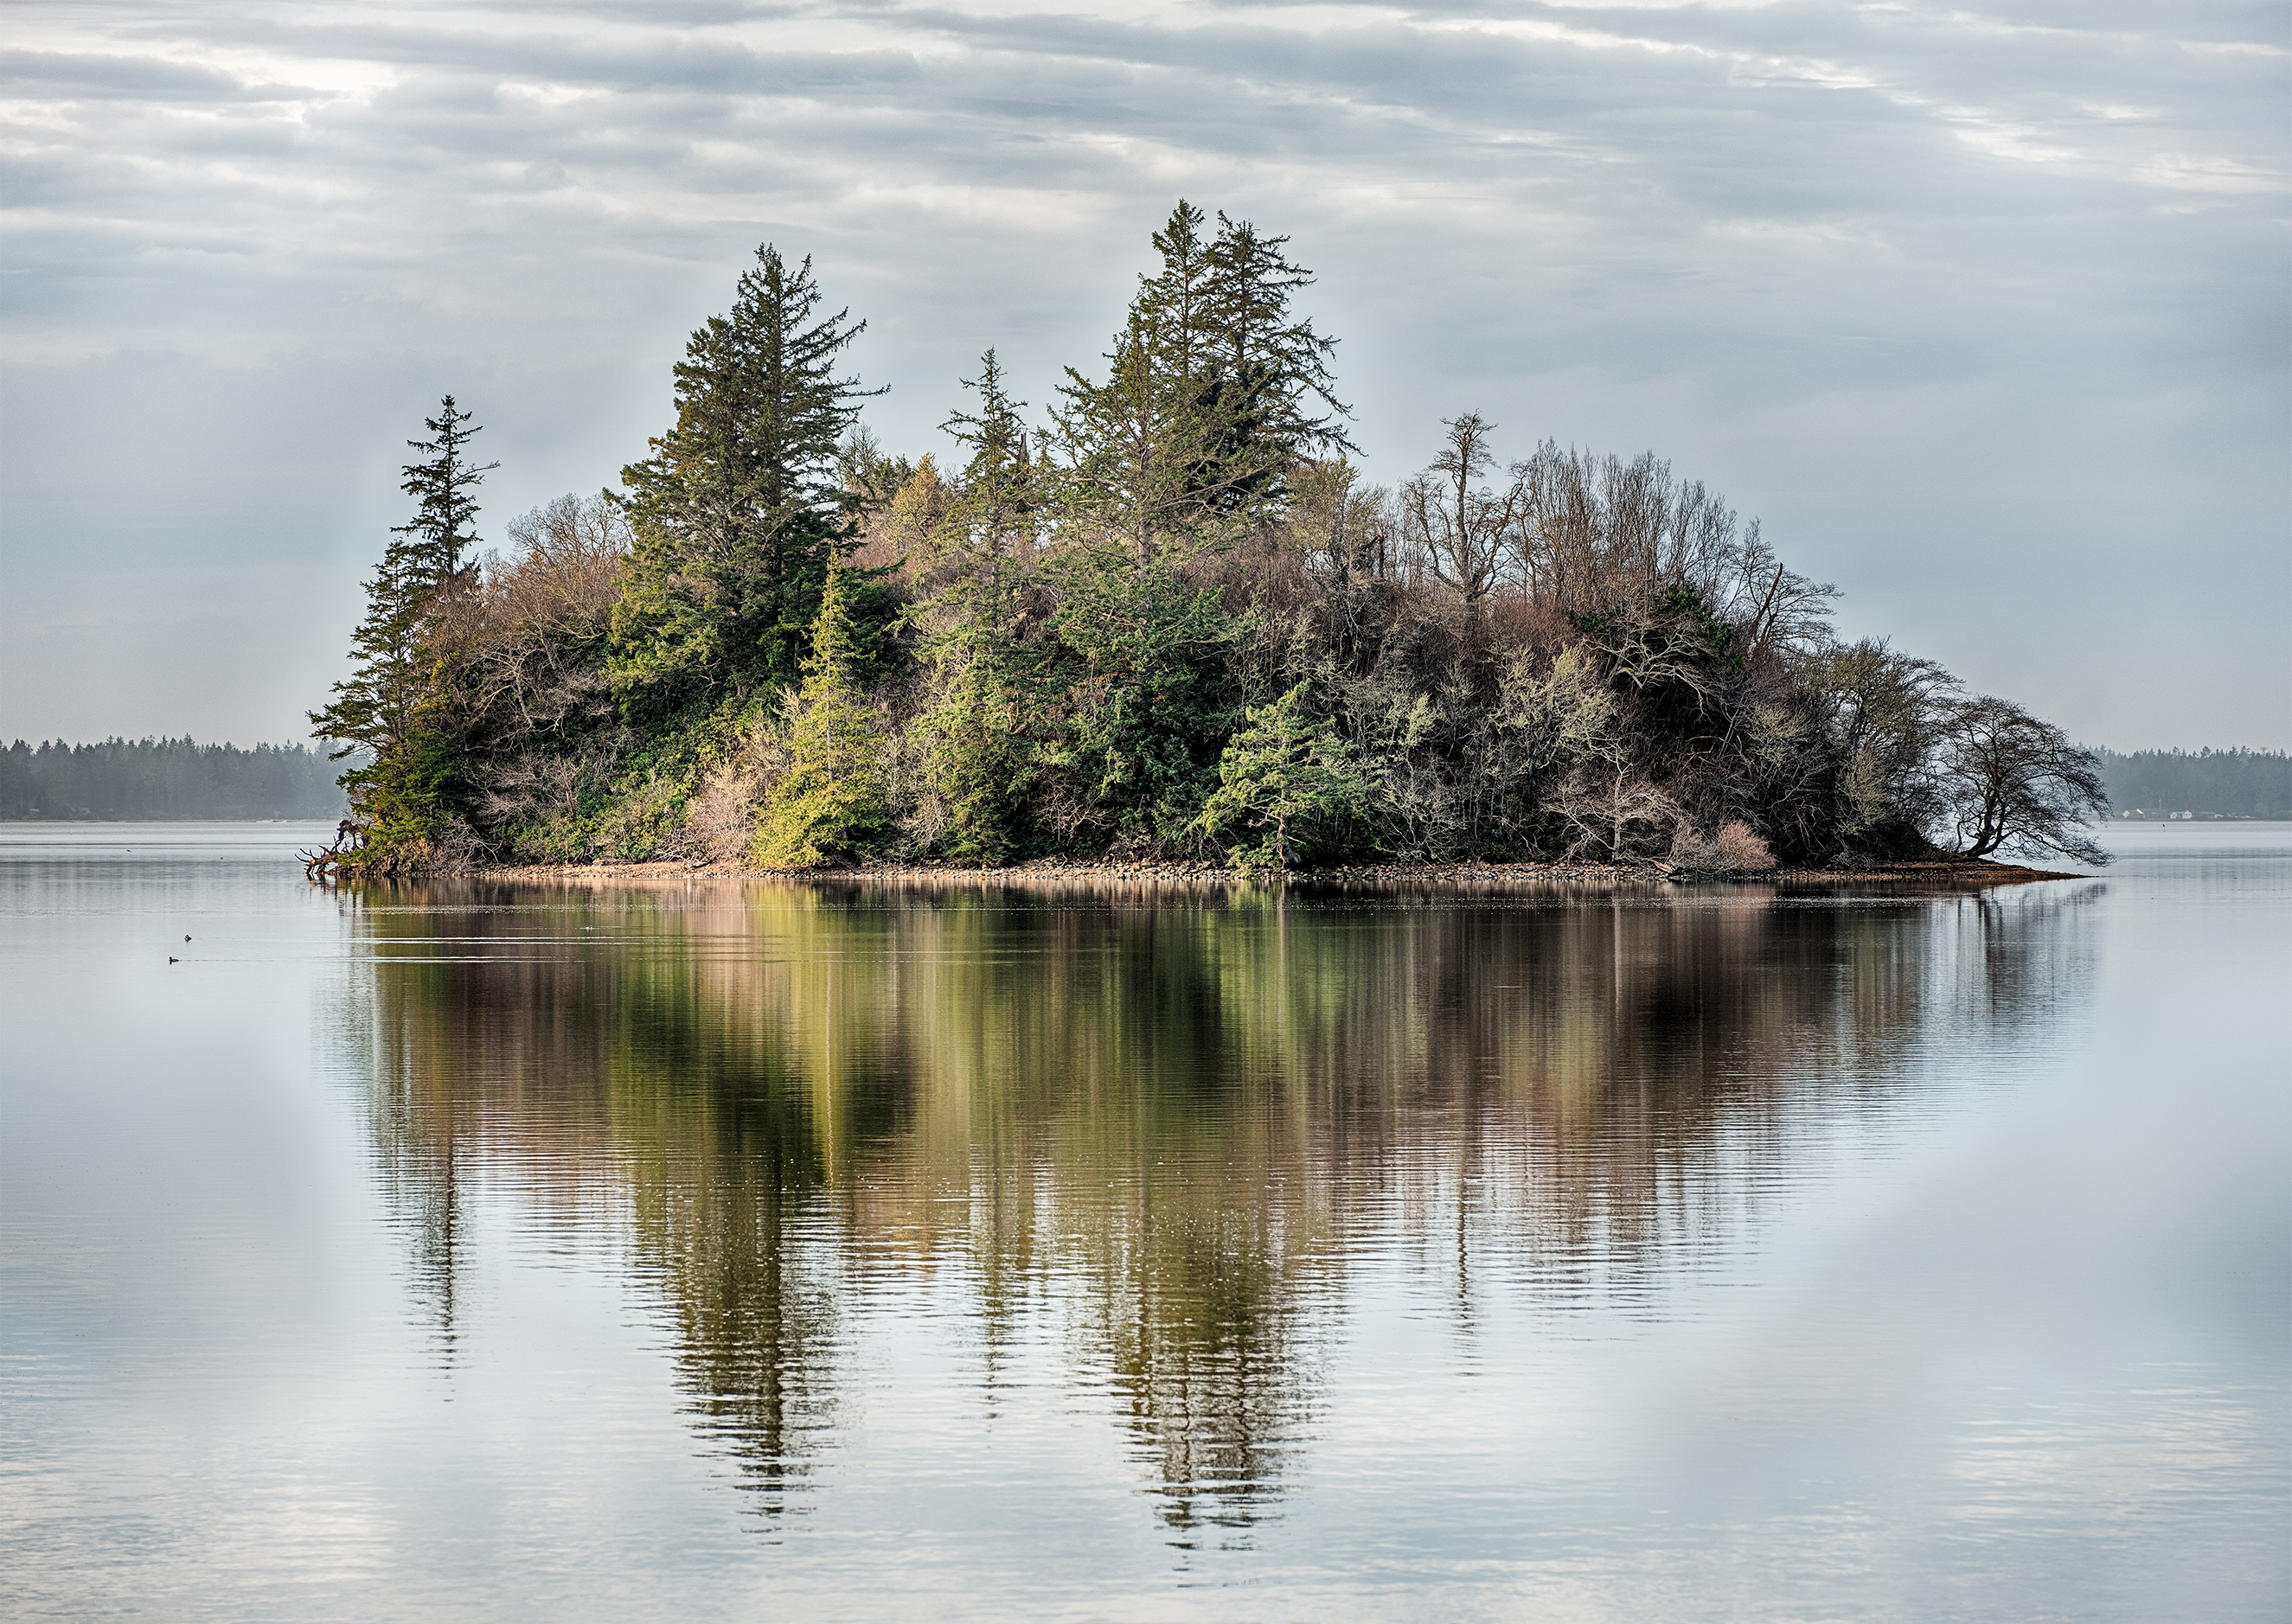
(1158, 468)
(394, 702)
(1169, 452)
(1289, 780)
(740, 512)
(1144, 694)
(978, 748)
(443, 529)
(834, 801)
(1255, 338)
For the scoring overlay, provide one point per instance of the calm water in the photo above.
(838, 1253)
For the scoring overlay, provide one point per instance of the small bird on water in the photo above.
(187, 938)
(173, 959)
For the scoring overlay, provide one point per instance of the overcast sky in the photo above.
(1986, 311)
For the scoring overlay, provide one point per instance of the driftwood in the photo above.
(324, 867)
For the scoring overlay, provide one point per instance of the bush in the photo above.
(1293, 782)
(1736, 850)
(1741, 848)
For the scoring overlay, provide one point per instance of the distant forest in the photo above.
(2221, 783)
(166, 778)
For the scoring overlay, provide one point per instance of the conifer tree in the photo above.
(1169, 452)
(978, 753)
(834, 802)
(741, 511)
(443, 532)
(997, 518)
(1255, 337)
(393, 703)
(1144, 693)
(1156, 469)
(1178, 303)
(1289, 780)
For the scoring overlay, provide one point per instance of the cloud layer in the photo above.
(1983, 312)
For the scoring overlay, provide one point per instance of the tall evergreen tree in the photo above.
(1162, 464)
(1170, 452)
(442, 532)
(1178, 303)
(741, 511)
(996, 519)
(1255, 337)
(394, 701)
(978, 753)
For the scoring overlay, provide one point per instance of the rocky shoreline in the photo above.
(1478, 877)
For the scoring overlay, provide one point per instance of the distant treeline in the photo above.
(166, 778)
(2231, 783)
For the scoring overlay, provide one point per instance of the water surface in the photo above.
(1692, 1253)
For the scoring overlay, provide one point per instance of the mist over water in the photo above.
(1703, 1251)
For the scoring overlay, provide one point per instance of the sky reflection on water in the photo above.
(1694, 1252)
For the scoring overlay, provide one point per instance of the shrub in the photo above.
(1741, 848)
(1292, 782)
(1736, 850)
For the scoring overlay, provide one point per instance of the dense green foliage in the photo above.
(2218, 783)
(394, 706)
(165, 778)
(833, 801)
(1289, 780)
(1167, 619)
(737, 514)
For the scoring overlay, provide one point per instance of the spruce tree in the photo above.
(997, 517)
(1143, 694)
(741, 511)
(1158, 468)
(978, 752)
(834, 802)
(443, 530)
(1169, 453)
(1256, 338)
(1289, 780)
(393, 703)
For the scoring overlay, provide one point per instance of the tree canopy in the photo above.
(1168, 616)
(739, 513)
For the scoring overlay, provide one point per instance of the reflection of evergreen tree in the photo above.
(1194, 1318)
(599, 1065)
(723, 1172)
(415, 1118)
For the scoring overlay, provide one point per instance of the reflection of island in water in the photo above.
(1172, 1123)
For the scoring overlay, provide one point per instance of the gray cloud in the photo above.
(1983, 311)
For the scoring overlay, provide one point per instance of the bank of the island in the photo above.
(1449, 879)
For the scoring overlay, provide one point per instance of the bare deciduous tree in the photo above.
(1598, 532)
(2006, 779)
(1465, 530)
